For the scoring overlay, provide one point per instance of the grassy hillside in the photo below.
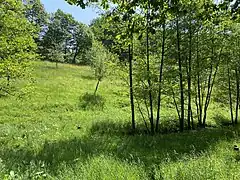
(48, 134)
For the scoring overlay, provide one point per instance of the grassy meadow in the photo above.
(48, 134)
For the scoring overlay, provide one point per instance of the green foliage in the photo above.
(17, 46)
(53, 41)
(83, 41)
(66, 40)
(36, 14)
(180, 49)
(99, 57)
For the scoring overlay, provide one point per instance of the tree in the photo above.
(66, 40)
(82, 39)
(17, 46)
(99, 56)
(36, 14)
(163, 46)
(229, 81)
(54, 39)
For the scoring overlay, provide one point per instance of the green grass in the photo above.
(47, 134)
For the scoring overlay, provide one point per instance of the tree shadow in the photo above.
(112, 139)
(155, 149)
(88, 77)
(52, 154)
(90, 101)
(50, 67)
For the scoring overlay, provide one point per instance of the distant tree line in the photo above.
(61, 38)
(28, 32)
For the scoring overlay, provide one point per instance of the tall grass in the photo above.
(46, 134)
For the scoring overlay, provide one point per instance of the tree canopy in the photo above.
(17, 46)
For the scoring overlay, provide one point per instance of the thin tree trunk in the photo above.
(197, 106)
(238, 94)
(95, 92)
(192, 119)
(230, 95)
(175, 103)
(145, 123)
(211, 82)
(199, 97)
(207, 96)
(189, 79)
(181, 120)
(160, 80)
(131, 87)
(148, 75)
(144, 86)
(208, 88)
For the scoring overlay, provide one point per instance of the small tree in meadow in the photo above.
(98, 55)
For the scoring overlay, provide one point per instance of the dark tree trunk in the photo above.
(145, 123)
(207, 97)
(160, 80)
(189, 79)
(199, 97)
(230, 95)
(148, 75)
(175, 103)
(95, 92)
(130, 56)
(192, 120)
(196, 103)
(211, 80)
(75, 56)
(238, 94)
(181, 120)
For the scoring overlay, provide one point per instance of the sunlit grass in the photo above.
(46, 134)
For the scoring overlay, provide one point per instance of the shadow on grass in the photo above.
(50, 67)
(88, 77)
(90, 101)
(112, 139)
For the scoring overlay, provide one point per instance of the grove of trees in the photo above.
(60, 38)
(182, 52)
(179, 54)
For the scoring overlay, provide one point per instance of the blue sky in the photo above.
(82, 15)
